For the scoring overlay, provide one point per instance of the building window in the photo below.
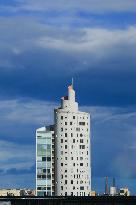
(39, 188)
(81, 123)
(82, 146)
(61, 129)
(43, 176)
(48, 159)
(43, 158)
(61, 140)
(65, 181)
(70, 123)
(61, 187)
(81, 187)
(65, 170)
(71, 181)
(81, 141)
(71, 134)
(71, 193)
(61, 117)
(81, 182)
(81, 164)
(66, 135)
(78, 129)
(39, 136)
(71, 158)
(74, 164)
(65, 146)
(73, 140)
(61, 176)
(48, 188)
(44, 170)
(61, 164)
(65, 193)
(65, 123)
(73, 117)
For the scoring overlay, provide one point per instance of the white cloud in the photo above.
(33, 112)
(92, 41)
(83, 48)
(27, 112)
(13, 155)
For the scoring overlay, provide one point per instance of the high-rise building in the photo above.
(72, 148)
(45, 161)
(70, 174)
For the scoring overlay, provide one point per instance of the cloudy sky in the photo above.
(43, 44)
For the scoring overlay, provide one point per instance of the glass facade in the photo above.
(44, 162)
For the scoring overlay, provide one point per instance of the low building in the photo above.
(124, 192)
(92, 193)
(27, 192)
(9, 192)
(17, 192)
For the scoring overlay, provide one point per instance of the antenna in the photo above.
(113, 182)
(72, 82)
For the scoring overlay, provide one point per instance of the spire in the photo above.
(72, 83)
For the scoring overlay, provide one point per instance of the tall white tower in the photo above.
(72, 148)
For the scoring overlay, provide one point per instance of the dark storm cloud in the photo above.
(36, 59)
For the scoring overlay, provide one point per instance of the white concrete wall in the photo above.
(72, 148)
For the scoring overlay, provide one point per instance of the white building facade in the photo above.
(45, 162)
(72, 148)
